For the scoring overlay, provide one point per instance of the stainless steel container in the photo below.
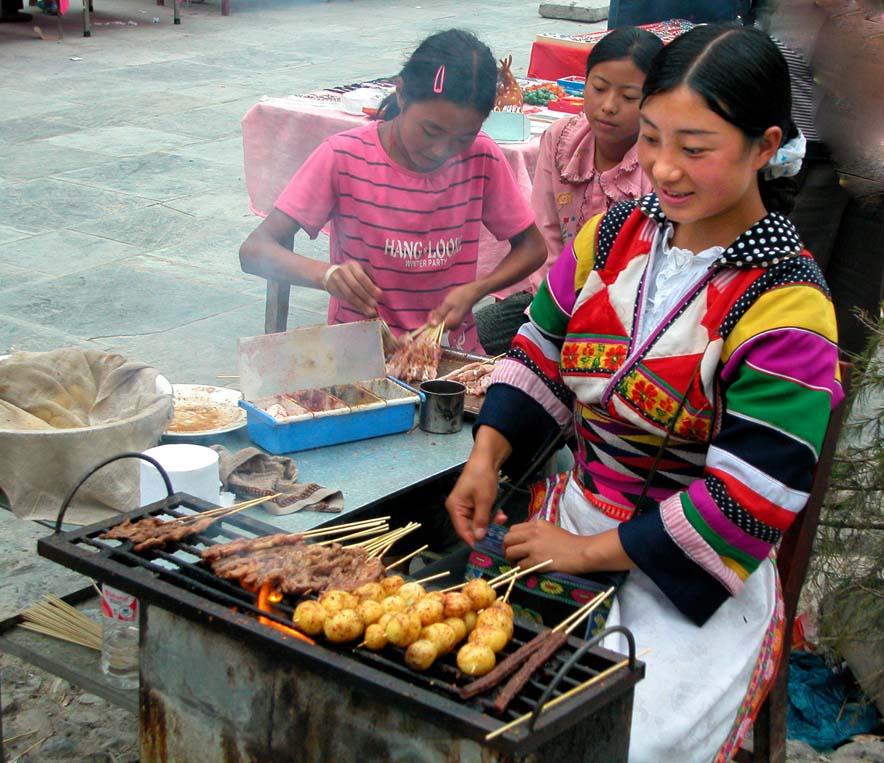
(442, 406)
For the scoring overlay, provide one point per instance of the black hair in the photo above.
(626, 42)
(469, 79)
(743, 77)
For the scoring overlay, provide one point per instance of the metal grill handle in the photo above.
(575, 658)
(70, 496)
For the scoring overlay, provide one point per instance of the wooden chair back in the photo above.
(769, 730)
(276, 308)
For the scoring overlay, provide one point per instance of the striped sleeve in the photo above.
(779, 382)
(528, 378)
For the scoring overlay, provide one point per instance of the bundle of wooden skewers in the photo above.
(417, 357)
(56, 618)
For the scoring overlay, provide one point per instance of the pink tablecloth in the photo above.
(280, 133)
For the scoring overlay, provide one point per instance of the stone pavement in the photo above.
(122, 199)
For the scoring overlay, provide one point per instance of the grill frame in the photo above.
(137, 573)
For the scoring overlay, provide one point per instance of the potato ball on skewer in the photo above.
(458, 626)
(410, 593)
(457, 604)
(442, 635)
(480, 592)
(375, 638)
(391, 584)
(370, 611)
(403, 629)
(494, 638)
(393, 604)
(343, 626)
(309, 617)
(429, 610)
(475, 659)
(495, 618)
(420, 654)
(335, 601)
(373, 591)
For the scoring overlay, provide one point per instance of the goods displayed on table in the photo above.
(509, 94)
(320, 385)
(555, 54)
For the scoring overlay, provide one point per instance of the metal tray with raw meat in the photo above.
(455, 359)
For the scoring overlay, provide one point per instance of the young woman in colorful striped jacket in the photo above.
(688, 342)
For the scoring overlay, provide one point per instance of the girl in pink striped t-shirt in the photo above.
(405, 198)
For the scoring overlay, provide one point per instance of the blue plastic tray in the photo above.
(316, 430)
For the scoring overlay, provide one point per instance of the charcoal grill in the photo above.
(218, 685)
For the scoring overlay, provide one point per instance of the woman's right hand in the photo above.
(351, 284)
(470, 501)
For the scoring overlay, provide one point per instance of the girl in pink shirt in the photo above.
(404, 199)
(589, 162)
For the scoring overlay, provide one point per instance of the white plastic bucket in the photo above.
(193, 469)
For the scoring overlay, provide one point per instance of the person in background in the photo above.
(405, 197)
(688, 342)
(837, 104)
(586, 163)
(635, 12)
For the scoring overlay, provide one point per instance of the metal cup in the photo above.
(442, 406)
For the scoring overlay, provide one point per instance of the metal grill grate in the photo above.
(175, 579)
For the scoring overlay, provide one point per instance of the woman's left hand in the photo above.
(531, 543)
(534, 542)
(455, 307)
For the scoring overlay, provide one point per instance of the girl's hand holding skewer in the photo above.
(350, 283)
(456, 306)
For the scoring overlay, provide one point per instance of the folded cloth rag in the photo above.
(251, 472)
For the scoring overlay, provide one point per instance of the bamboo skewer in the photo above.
(57, 618)
(433, 577)
(562, 697)
(224, 511)
(358, 534)
(319, 532)
(574, 619)
(515, 572)
(379, 546)
(406, 558)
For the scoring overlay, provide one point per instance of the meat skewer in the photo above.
(418, 356)
(249, 545)
(150, 532)
(554, 641)
(546, 643)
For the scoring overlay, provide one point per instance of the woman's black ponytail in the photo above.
(778, 194)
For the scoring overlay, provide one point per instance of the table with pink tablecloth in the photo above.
(280, 133)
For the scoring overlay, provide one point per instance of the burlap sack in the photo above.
(64, 411)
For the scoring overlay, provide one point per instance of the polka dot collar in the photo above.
(772, 239)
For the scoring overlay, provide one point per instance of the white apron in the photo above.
(696, 677)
